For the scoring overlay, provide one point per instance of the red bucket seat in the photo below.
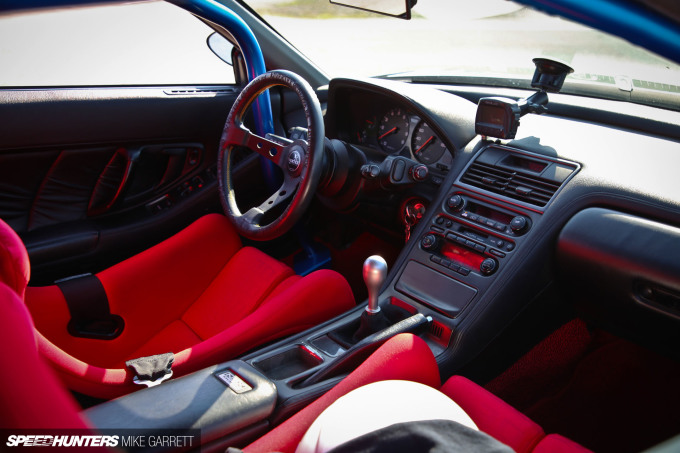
(407, 357)
(199, 294)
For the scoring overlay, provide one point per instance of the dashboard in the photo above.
(505, 222)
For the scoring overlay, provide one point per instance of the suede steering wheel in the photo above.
(300, 160)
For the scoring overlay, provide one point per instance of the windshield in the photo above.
(447, 40)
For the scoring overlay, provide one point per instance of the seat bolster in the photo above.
(105, 383)
(404, 357)
(27, 382)
(493, 415)
(554, 443)
(15, 269)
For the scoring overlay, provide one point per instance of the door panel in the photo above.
(91, 176)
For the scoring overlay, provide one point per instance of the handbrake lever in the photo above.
(413, 324)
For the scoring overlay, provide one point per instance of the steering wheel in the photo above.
(300, 160)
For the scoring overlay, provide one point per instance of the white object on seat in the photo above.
(375, 406)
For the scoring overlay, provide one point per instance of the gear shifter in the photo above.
(375, 271)
(372, 319)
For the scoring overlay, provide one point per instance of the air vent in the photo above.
(528, 179)
(192, 91)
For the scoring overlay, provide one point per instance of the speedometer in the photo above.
(393, 130)
(427, 147)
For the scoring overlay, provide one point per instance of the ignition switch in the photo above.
(412, 212)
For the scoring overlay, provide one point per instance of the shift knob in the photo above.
(375, 271)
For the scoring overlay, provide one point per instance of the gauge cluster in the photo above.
(377, 123)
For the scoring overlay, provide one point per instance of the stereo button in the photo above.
(497, 253)
(496, 242)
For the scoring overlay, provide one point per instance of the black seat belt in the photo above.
(89, 308)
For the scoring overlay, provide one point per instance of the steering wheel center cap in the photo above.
(295, 159)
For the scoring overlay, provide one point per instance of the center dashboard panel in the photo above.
(487, 215)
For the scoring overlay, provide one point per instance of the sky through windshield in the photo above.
(492, 37)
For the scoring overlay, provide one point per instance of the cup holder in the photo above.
(288, 363)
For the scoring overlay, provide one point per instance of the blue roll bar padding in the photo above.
(250, 48)
(254, 60)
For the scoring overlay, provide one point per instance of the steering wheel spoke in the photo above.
(239, 135)
(286, 191)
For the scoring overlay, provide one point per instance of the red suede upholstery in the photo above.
(30, 395)
(198, 294)
(494, 416)
(406, 357)
(15, 270)
(554, 443)
(403, 357)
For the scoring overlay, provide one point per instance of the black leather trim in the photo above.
(196, 401)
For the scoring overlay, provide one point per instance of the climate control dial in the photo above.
(488, 266)
(455, 203)
(519, 224)
(429, 242)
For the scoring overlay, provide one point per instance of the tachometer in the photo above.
(427, 147)
(393, 130)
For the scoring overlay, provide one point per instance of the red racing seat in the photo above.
(407, 357)
(199, 294)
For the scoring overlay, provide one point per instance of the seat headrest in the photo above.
(15, 268)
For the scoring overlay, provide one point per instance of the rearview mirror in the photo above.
(394, 8)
